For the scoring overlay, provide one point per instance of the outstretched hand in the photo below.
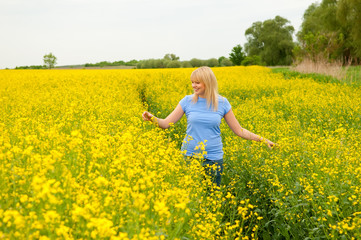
(270, 144)
(147, 116)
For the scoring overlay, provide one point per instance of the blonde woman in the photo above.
(204, 111)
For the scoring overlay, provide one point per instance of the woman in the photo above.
(204, 110)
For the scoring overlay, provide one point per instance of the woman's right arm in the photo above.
(172, 118)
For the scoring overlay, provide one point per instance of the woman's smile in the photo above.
(198, 88)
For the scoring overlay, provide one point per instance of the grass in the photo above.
(352, 75)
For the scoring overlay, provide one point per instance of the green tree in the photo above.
(252, 60)
(196, 62)
(349, 16)
(311, 22)
(171, 57)
(237, 55)
(186, 64)
(331, 29)
(49, 60)
(131, 63)
(225, 62)
(173, 64)
(212, 62)
(321, 35)
(271, 40)
(220, 59)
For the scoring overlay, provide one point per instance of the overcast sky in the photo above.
(90, 31)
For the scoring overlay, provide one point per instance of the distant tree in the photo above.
(118, 63)
(88, 65)
(186, 64)
(32, 67)
(167, 57)
(171, 57)
(252, 60)
(147, 64)
(49, 60)
(22, 67)
(157, 63)
(212, 62)
(131, 63)
(37, 67)
(220, 59)
(160, 63)
(139, 64)
(104, 63)
(168, 63)
(271, 40)
(173, 64)
(152, 63)
(196, 62)
(226, 62)
(237, 55)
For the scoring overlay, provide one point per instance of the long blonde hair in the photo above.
(206, 76)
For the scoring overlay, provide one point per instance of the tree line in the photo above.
(49, 62)
(166, 62)
(330, 31)
(115, 63)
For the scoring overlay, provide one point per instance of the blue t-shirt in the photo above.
(203, 126)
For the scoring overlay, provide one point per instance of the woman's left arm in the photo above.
(244, 133)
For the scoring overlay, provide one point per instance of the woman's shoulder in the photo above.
(221, 98)
(223, 101)
(186, 100)
(188, 97)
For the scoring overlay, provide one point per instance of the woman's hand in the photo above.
(270, 144)
(147, 116)
(165, 123)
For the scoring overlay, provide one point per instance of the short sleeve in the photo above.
(184, 103)
(227, 106)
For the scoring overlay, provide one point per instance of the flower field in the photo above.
(78, 162)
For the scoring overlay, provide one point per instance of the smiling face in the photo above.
(199, 88)
(204, 84)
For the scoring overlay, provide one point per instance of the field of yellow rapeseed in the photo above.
(77, 161)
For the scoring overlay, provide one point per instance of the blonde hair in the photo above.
(206, 76)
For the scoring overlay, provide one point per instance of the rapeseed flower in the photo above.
(77, 161)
